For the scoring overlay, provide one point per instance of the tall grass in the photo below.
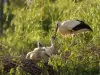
(37, 23)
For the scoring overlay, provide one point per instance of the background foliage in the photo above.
(27, 22)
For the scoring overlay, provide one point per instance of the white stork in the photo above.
(71, 27)
(51, 50)
(37, 54)
(42, 53)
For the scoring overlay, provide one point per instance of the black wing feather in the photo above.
(82, 25)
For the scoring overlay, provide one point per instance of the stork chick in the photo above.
(51, 50)
(43, 53)
(71, 27)
(37, 54)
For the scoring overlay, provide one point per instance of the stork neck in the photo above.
(52, 43)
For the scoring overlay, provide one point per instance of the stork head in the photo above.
(39, 44)
(53, 37)
(57, 26)
(53, 40)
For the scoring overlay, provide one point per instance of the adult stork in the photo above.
(71, 27)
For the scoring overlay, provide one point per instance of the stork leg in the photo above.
(73, 42)
(76, 40)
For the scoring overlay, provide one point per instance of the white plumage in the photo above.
(37, 54)
(51, 50)
(42, 53)
(28, 55)
(70, 24)
(71, 27)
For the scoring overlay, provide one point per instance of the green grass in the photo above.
(37, 23)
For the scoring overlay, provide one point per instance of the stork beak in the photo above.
(56, 31)
(53, 37)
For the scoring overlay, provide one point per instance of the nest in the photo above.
(28, 66)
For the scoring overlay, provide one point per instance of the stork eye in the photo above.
(53, 37)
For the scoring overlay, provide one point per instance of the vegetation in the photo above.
(25, 24)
